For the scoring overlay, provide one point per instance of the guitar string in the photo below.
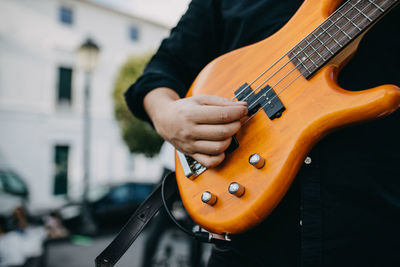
(301, 50)
(343, 15)
(370, 2)
(315, 50)
(312, 53)
(292, 81)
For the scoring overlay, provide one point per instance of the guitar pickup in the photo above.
(266, 99)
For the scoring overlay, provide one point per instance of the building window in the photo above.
(64, 94)
(66, 15)
(61, 154)
(133, 33)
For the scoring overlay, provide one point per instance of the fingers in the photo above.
(209, 161)
(211, 147)
(201, 126)
(215, 114)
(215, 109)
(215, 132)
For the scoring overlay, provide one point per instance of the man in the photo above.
(343, 209)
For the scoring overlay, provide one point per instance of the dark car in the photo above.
(119, 203)
(109, 206)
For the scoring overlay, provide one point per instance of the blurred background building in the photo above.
(41, 94)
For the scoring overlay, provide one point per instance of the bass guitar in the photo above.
(289, 83)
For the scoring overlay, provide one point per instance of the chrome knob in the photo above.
(308, 160)
(257, 161)
(236, 189)
(209, 198)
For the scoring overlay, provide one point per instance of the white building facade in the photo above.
(41, 94)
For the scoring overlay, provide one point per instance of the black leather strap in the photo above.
(135, 225)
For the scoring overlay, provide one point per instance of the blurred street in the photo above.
(67, 253)
(81, 253)
(69, 165)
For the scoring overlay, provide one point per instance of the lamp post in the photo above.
(87, 61)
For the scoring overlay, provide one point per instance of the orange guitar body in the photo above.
(314, 107)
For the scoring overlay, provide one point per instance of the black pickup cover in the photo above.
(265, 98)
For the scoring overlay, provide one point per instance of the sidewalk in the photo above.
(82, 253)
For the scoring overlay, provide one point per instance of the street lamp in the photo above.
(88, 54)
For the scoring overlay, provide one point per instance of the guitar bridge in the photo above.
(191, 167)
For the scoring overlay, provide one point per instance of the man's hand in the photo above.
(199, 126)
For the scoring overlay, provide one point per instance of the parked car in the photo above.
(13, 193)
(21, 243)
(110, 206)
(12, 183)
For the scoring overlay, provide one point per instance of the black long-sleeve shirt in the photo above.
(344, 208)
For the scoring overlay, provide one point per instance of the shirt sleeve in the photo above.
(192, 43)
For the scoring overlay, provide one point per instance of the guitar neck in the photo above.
(350, 20)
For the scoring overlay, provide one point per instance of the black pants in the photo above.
(225, 257)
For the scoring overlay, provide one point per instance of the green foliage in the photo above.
(138, 135)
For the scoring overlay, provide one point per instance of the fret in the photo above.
(372, 13)
(361, 12)
(339, 29)
(315, 50)
(323, 43)
(383, 4)
(309, 52)
(373, 3)
(310, 58)
(370, 10)
(352, 18)
(300, 63)
(358, 9)
(303, 61)
(332, 38)
(349, 20)
(323, 36)
(342, 24)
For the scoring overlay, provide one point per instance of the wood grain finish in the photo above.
(314, 107)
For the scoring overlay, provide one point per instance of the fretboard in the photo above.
(351, 19)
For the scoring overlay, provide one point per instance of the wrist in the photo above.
(156, 101)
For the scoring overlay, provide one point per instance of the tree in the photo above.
(138, 135)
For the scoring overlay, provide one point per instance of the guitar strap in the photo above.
(128, 234)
